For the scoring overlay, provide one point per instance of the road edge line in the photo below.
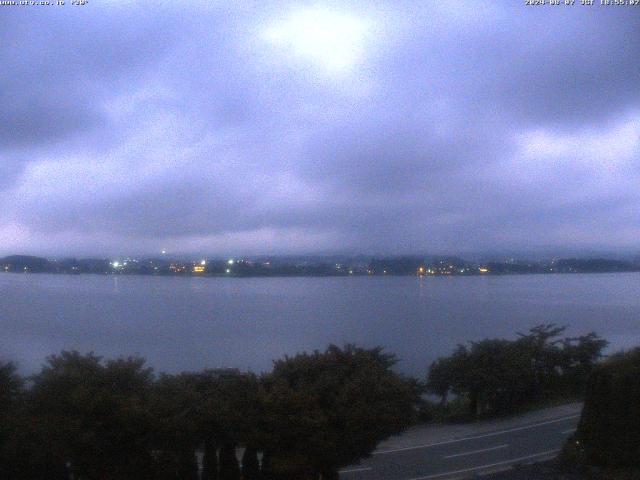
(475, 437)
(483, 467)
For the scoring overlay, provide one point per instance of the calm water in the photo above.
(191, 323)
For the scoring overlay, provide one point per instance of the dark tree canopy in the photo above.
(498, 376)
(343, 402)
(10, 387)
(609, 429)
(312, 414)
(115, 419)
(94, 415)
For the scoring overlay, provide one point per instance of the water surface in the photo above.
(191, 323)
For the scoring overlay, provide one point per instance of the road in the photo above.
(531, 438)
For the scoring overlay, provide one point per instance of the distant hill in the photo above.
(588, 265)
(15, 263)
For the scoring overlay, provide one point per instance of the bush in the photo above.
(609, 430)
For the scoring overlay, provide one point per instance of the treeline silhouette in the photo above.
(608, 434)
(82, 417)
(86, 418)
(496, 376)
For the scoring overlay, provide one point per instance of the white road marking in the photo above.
(363, 469)
(571, 430)
(493, 434)
(477, 451)
(490, 465)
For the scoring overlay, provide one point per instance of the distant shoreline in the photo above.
(294, 275)
(311, 266)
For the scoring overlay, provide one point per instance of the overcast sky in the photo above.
(293, 127)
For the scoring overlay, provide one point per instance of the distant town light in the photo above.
(164, 252)
(115, 264)
(203, 262)
(228, 270)
(483, 270)
(230, 262)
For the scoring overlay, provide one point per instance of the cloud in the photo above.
(440, 128)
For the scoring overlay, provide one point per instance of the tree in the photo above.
(579, 356)
(440, 378)
(11, 391)
(175, 405)
(491, 374)
(609, 428)
(209, 461)
(10, 386)
(229, 468)
(541, 345)
(329, 409)
(228, 415)
(215, 408)
(497, 376)
(250, 465)
(92, 417)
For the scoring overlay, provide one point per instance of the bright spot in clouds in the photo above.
(330, 38)
(615, 145)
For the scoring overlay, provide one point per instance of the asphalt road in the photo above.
(464, 457)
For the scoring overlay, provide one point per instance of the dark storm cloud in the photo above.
(450, 127)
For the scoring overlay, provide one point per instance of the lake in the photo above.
(189, 323)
